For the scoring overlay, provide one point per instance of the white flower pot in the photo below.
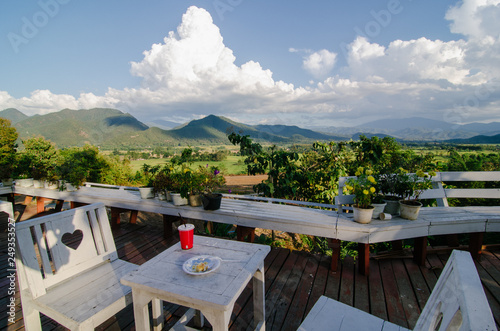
(377, 209)
(7, 182)
(178, 200)
(392, 207)
(410, 211)
(146, 192)
(37, 183)
(28, 182)
(51, 185)
(362, 215)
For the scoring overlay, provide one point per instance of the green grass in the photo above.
(233, 165)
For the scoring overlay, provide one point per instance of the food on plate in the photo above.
(200, 266)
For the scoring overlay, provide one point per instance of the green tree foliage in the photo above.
(81, 164)
(38, 159)
(8, 147)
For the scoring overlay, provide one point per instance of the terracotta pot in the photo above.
(363, 215)
(410, 209)
(195, 200)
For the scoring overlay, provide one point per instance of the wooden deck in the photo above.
(395, 290)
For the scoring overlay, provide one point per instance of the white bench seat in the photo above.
(457, 302)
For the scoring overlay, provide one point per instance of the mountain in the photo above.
(111, 128)
(481, 139)
(293, 132)
(416, 129)
(13, 115)
(68, 127)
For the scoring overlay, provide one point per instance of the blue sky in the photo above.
(316, 63)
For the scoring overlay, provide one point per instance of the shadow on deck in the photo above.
(396, 289)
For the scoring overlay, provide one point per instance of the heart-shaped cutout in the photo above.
(72, 240)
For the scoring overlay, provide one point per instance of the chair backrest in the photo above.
(53, 248)
(457, 301)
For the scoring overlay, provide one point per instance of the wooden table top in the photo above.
(164, 276)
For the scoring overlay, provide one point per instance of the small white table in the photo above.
(214, 294)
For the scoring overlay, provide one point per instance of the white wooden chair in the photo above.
(68, 269)
(457, 302)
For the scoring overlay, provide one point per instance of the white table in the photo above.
(214, 294)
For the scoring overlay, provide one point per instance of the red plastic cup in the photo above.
(186, 233)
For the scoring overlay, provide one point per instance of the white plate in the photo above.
(213, 263)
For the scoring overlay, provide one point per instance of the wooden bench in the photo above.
(440, 192)
(6, 207)
(457, 302)
(68, 269)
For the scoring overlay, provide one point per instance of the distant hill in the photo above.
(111, 128)
(68, 127)
(13, 115)
(416, 129)
(477, 140)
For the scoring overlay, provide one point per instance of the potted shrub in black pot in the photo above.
(211, 179)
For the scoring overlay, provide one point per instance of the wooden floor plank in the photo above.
(299, 302)
(274, 292)
(361, 292)
(406, 294)
(395, 311)
(420, 287)
(285, 300)
(346, 293)
(376, 288)
(319, 279)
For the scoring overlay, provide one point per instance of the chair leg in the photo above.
(31, 317)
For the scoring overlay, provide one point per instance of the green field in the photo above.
(233, 165)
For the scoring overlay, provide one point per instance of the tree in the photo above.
(8, 148)
(38, 159)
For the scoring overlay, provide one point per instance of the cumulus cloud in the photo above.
(320, 63)
(193, 73)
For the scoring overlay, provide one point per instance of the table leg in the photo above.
(219, 319)
(259, 299)
(476, 244)
(364, 259)
(334, 244)
(157, 306)
(141, 311)
(133, 216)
(420, 250)
(167, 226)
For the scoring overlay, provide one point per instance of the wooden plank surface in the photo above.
(139, 243)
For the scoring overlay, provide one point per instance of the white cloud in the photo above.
(476, 19)
(193, 73)
(320, 63)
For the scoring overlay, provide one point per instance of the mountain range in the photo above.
(111, 128)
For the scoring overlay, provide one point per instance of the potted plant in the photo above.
(212, 179)
(148, 172)
(390, 190)
(411, 186)
(363, 188)
(180, 185)
(162, 183)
